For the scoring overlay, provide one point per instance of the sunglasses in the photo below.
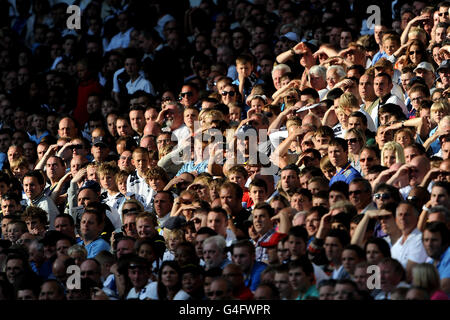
(166, 99)
(77, 146)
(415, 52)
(382, 196)
(366, 159)
(125, 211)
(187, 93)
(198, 187)
(352, 140)
(355, 192)
(443, 14)
(230, 93)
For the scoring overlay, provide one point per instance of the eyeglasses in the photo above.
(382, 196)
(355, 192)
(198, 187)
(352, 140)
(187, 93)
(230, 93)
(366, 159)
(128, 226)
(418, 99)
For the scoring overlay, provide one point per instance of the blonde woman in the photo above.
(356, 141)
(391, 153)
(426, 276)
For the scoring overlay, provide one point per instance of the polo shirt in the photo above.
(95, 247)
(443, 265)
(412, 249)
(347, 174)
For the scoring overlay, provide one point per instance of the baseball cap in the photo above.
(274, 239)
(444, 65)
(290, 36)
(425, 65)
(100, 142)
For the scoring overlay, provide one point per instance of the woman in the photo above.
(356, 141)
(391, 153)
(426, 276)
(168, 286)
(404, 137)
(147, 249)
(278, 203)
(376, 249)
(416, 53)
(229, 94)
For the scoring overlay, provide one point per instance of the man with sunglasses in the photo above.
(360, 195)
(189, 95)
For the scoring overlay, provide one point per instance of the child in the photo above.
(391, 43)
(247, 79)
(239, 175)
(257, 103)
(16, 229)
(107, 172)
(92, 172)
(173, 239)
(136, 182)
(19, 168)
(235, 112)
(257, 192)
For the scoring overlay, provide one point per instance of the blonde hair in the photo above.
(426, 276)
(348, 101)
(19, 162)
(441, 105)
(397, 148)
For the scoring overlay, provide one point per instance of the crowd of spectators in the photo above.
(224, 149)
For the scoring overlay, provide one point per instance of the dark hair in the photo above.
(339, 186)
(36, 174)
(245, 243)
(206, 230)
(342, 235)
(382, 245)
(162, 290)
(293, 167)
(360, 115)
(339, 142)
(437, 226)
(358, 250)
(265, 206)
(299, 232)
(304, 263)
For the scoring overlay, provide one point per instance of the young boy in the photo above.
(239, 175)
(257, 192)
(247, 79)
(107, 172)
(136, 180)
(391, 43)
(16, 229)
(35, 219)
(39, 126)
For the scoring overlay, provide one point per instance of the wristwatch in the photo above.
(292, 51)
(425, 208)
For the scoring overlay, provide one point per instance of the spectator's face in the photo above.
(349, 260)
(62, 246)
(358, 196)
(360, 278)
(405, 218)
(137, 120)
(66, 128)
(388, 277)
(188, 96)
(445, 77)
(5, 141)
(338, 157)
(382, 87)
(217, 222)
(55, 169)
(344, 292)
(139, 276)
(243, 258)
(50, 291)
(89, 226)
(367, 159)
(90, 270)
(333, 248)
(312, 223)
(14, 267)
(124, 247)
(332, 78)
(261, 221)
(162, 204)
(190, 116)
(145, 228)
(299, 280)
(373, 254)
(289, 180)
(443, 14)
(326, 293)
(300, 202)
(212, 255)
(26, 294)
(432, 243)
(228, 197)
(9, 207)
(296, 246)
(439, 196)
(63, 225)
(31, 187)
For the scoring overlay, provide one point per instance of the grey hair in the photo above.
(320, 71)
(339, 70)
(442, 209)
(39, 245)
(218, 240)
(281, 67)
(76, 248)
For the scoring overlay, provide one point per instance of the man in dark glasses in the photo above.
(189, 95)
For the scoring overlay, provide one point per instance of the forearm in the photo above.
(423, 218)
(284, 56)
(404, 36)
(285, 224)
(276, 124)
(360, 231)
(431, 139)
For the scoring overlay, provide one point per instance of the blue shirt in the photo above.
(444, 264)
(252, 281)
(347, 174)
(95, 247)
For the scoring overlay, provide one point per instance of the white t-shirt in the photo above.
(412, 249)
(153, 293)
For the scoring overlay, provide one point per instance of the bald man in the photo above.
(67, 128)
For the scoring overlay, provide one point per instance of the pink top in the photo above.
(439, 295)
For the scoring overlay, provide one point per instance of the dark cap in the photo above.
(174, 223)
(90, 184)
(444, 65)
(100, 142)
(415, 80)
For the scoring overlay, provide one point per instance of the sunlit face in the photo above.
(389, 158)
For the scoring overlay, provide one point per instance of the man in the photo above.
(137, 80)
(382, 87)
(91, 226)
(67, 128)
(444, 73)
(100, 149)
(277, 72)
(214, 253)
(33, 186)
(263, 227)
(243, 254)
(408, 250)
(91, 268)
(217, 220)
(189, 95)
(162, 203)
(52, 290)
(425, 70)
(10, 204)
(137, 119)
(220, 289)
(392, 276)
(230, 195)
(64, 223)
(360, 195)
(139, 272)
(125, 245)
(436, 243)
(289, 181)
(233, 273)
(55, 169)
(338, 155)
(16, 266)
(171, 116)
